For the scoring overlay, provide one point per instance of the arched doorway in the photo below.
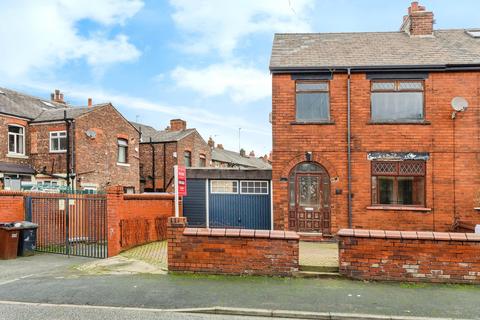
(309, 204)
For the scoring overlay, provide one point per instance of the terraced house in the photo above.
(48, 145)
(376, 130)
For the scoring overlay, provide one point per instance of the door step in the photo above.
(318, 275)
(333, 269)
(315, 237)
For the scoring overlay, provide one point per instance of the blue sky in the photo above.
(205, 61)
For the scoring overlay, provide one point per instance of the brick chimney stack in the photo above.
(220, 146)
(252, 154)
(57, 96)
(243, 153)
(90, 103)
(211, 143)
(178, 125)
(418, 21)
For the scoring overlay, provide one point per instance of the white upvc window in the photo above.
(253, 187)
(16, 140)
(122, 156)
(224, 186)
(58, 141)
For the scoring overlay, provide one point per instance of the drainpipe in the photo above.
(67, 124)
(164, 168)
(349, 152)
(153, 165)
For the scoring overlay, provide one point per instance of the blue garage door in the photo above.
(194, 204)
(246, 211)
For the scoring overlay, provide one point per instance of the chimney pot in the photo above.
(90, 103)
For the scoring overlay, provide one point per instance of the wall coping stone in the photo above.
(144, 196)
(241, 233)
(409, 235)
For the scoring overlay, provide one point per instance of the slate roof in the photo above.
(370, 49)
(23, 105)
(235, 159)
(161, 135)
(7, 167)
(72, 113)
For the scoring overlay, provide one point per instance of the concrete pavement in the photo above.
(66, 285)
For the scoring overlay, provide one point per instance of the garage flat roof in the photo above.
(229, 173)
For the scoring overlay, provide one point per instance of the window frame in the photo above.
(397, 84)
(202, 158)
(321, 121)
(118, 150)
(218, 192)
(185, 152)
(255, 193)
(15, 153)
(395, 186)
(58, 137)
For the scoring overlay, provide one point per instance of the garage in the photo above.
(229, 198)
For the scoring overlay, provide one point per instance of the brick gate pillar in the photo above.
(175, 229)
(114, 205)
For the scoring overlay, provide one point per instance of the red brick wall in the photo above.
(4, 122)
(11, 206)
(142, 210)
(193, 143)
(146, 170)
(54, 163)
(96, 159)
(452, 187)
(231, 251)
(410, 256)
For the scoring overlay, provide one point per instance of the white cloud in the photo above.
(38, 35)
(242, 84)
(222, 24)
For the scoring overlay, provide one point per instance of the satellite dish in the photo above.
(459, 104)
(91, 134)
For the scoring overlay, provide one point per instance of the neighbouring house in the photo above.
(229, 198)
(222, 158)
(161, 150)
(50, 145)
(364, 133)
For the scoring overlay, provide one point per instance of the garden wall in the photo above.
(135, 219)
(410, 256)
(231, 251)
(11, 206)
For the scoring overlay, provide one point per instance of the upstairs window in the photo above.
(203, 160)
(312, 101)
(397, 101)
(16, 140)
(398, 183)
(58, 141)
(122, 151)
(187, 155)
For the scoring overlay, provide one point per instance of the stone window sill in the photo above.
(58, 151)
(399, 208)
(123, 164)
(18, 156)
(477, 208)
(422, 122)
(312, 123)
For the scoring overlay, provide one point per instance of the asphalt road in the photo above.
(61, 284)
(44, 312)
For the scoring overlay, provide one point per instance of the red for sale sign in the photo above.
(182, 181)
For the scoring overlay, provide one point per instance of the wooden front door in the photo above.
(310, 208)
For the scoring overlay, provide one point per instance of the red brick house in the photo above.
(364, 133)
(41, 139)
(161, 150)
